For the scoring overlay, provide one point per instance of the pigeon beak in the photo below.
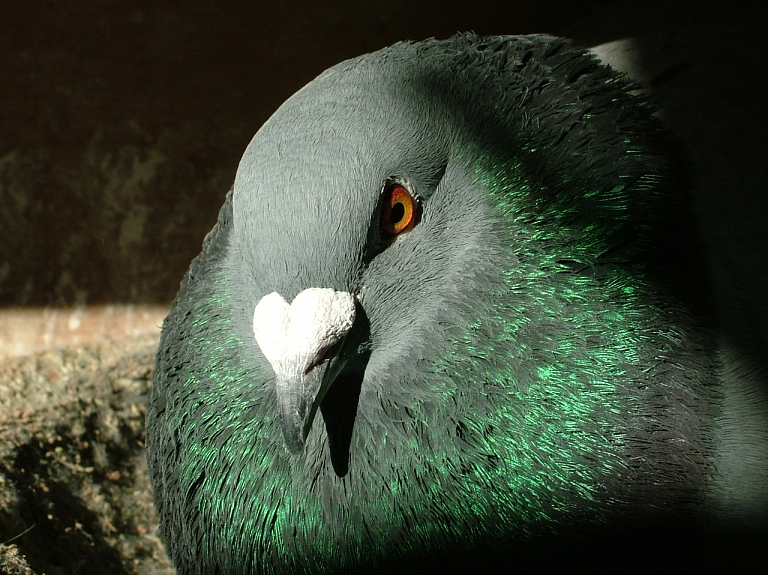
(298, 398)
(302, 341)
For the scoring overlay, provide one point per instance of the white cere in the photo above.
(294, 337)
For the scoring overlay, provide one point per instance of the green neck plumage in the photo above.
(554, 365)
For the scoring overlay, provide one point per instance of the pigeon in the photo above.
(451, 316)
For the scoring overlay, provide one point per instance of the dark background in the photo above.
(122, 123)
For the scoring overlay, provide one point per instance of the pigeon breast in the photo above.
(525, 357)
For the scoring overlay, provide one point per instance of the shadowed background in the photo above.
(122, 123)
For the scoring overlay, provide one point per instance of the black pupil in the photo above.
(396, 213)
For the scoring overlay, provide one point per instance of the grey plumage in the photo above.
(530, 358)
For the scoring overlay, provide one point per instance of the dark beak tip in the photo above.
(294, 449)
(294, 445)
(294, 440)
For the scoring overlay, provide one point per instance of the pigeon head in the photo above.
(315, 207)
(354, 187)
(448, 252)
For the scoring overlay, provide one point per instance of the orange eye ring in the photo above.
(399, 211)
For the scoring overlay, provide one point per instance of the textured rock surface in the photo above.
(74, 492)
(24, 331)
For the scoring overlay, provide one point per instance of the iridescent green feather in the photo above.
(551, 378)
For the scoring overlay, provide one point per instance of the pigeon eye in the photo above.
(399, 211)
